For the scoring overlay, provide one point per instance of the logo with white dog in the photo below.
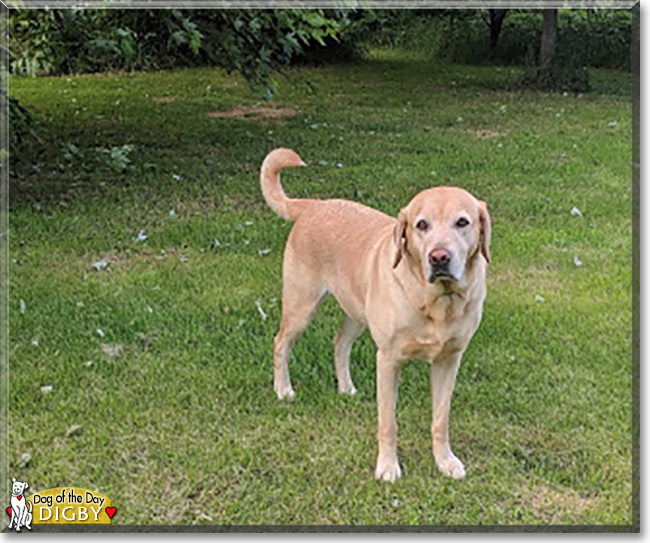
(21, 509)
(67, 505)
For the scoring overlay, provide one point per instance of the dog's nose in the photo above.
(439, 258)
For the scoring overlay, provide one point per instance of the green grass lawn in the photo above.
(164, 362)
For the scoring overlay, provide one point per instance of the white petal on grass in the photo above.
(261, 311)
(100, 332)
(23, 306)
(100, 265)
(577, 261)
(176, 177)
(339, 165)
(80, 304)
(613, 124)
(539, 298)
(576, 212)
(35, 342)
(263, 252)
(322, 162)
(88, 363)
(173, 214)
(25, 458)
(149, 309)
(183, 258)
(47, 389)
(141, 236)
(249, 223)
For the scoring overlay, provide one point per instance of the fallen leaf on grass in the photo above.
(74, 430)
(112, 351)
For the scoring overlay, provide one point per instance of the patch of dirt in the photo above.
(256, 114)
(163, 99)
(484, 134)
(550, 503)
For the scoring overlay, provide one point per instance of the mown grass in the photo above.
(183, 426)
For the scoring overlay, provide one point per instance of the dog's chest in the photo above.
(444, 329)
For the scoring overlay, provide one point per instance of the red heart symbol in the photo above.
(110, 511)
(9, 511)
(19, 497)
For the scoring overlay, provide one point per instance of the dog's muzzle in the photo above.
(439, 261)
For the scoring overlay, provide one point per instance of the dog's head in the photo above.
(442, 230)
(17, 488)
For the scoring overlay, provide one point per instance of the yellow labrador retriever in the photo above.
(417, 283)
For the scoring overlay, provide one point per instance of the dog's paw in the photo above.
(452, 467)
(388, 471)
(285, 393)
(347, 389)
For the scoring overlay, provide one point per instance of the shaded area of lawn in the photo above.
(166, 362)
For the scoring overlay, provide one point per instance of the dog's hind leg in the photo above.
(350, 331)
(301, 296)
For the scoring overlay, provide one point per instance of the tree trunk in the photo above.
(549, 38)
(497, 17)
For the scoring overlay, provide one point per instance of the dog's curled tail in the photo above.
(276, 161)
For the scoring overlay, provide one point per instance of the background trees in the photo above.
(555, 47)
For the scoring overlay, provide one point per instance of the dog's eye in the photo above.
(462, 222)
(422, 225)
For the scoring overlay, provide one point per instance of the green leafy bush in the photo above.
(253, 42)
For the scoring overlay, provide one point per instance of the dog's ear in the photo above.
(399, 236)
(486, 230)
(13, 479)
(26, 486)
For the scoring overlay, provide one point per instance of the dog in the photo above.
(21, 510)
(416, 282)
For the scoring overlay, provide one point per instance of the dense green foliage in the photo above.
(162, 362)
(252, 42)
(592, 38)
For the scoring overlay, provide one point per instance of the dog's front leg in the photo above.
(387, 382)
(443, 380)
